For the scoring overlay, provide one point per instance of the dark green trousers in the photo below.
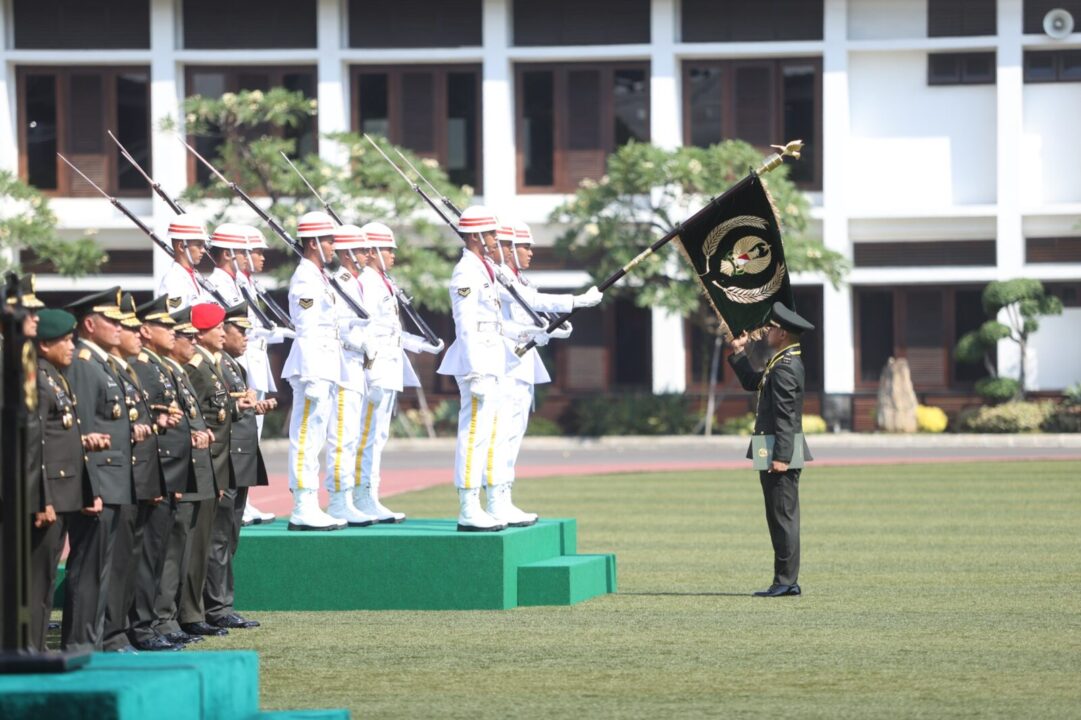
(781, 493)
(228, 519)
(174, 569)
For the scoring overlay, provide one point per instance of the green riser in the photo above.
(566, 580)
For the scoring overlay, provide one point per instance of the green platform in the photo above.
(188, 685)
(417, 565)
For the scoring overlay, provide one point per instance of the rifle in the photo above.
(264, 320)
(507, 285)
(458, 213)
(279, 231)
(404, 301)
(792, 149)
(203, 283)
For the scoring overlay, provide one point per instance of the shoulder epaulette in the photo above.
(196, 360)
(85, 354)
(143, 357)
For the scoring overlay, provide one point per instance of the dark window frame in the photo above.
(1057, 57)
(439, 73)
(561, 182)
(961, 75)
(728, 118)
(521, 39)
(189, 16)
(232, 74)
(64, 174)
(968, 14)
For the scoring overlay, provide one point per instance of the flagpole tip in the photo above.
(791, 149)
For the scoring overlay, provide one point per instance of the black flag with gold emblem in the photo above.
(734, 246)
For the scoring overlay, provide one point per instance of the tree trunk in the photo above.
(896, 398)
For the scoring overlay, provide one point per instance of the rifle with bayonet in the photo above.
(264, 319)
(404, 301)
(203, 283)
(507, 284)
(279, 231)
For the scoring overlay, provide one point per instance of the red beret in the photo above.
(207, 315)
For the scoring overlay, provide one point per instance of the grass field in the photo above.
(930, 591)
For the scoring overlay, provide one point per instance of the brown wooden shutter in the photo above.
(585, 152)
(754, 101)
(86, 132)
(414, 23)
(81, 24)
(925, 338)
(417, 112)
(235, 24)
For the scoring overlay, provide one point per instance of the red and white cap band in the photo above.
(186, 227)
(315, 224)
(348, 237)
(231, 236)
(522, 234)
(505, 233)
(477, 219)
(379, 235)
(255, 238)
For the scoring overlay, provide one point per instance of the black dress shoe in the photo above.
(202, 628)
(235, 621)
(158, 643)
(779, 591)
(182, 638)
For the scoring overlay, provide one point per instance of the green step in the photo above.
(339, 714)
(420, 564)
(566, 580)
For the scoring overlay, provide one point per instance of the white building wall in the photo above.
(1050, 151)
(886, 19)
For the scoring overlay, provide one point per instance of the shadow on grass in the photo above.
(689, 594)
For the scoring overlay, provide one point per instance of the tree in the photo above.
(647, 190)
(1023, 302)
(246, 133)
(27, 223)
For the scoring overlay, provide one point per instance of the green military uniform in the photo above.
(101, 408)
(779, 412)
(248, 470)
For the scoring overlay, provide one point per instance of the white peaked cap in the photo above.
(315, 224)
(229, 235)
(187, 227)
(349, 237)
(477, 219)
(255, 238)
(522, 234)
(379, 235)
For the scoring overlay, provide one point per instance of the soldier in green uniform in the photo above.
(248, 471)
(190, 476)
(204, 371)
(102, 413)
(779, 413)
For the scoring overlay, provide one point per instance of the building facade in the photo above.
(940, 144)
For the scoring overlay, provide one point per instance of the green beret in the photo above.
(53, 324)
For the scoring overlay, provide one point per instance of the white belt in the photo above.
(387, 341)
(490, 326)
(257, 344)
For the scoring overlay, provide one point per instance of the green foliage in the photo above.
(931, 419)
(362, 188)
(27, 222)
(1013, 417)
(1065, 419)
(411, 422)
(542, 426)
(998, 389)
(1072, 394)
(737, 425)
(644, 414)
(648, 190)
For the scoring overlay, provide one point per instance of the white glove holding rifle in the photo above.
(589, 298)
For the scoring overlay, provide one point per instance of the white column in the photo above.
(9, 139)
(333, 93)
(168, 157)
(665, 107)
(669, 355)
(497, 103)
(838, 343)
(1010, 243)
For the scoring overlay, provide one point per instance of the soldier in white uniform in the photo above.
(179, 282)
(389, 369)
(313, 368)
(227, 249)
(343, 436)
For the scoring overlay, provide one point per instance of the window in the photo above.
(571, 117)
(414, 23)
(924, 253)
(1035, 10)
(68, 111)
(758, 21)
(571, 22)
(433, 111)
(763, 102)
(215, 81)
(954, 18)
(241, 24)
(1053, 249)
(961, 68)
(81, 24)
(1053, 66)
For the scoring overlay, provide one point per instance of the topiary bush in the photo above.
(1014, 417)
(644, 414)
(1064, 419)
(931, 419)
(998, 389)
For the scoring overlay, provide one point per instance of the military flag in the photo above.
(734, 245)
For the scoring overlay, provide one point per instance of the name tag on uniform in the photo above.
(762, 451)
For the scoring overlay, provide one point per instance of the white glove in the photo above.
(433, 349)
(375, 394)
(561, 332)
(280, 335)
(589, 298)
(317, 390)
(482, 386)
(540, 338)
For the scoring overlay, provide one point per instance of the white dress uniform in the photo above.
(226, 285)
(178, 283)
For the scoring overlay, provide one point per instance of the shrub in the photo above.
(1064, 419)
(813, 425)
(1072, 394)
(998, 389)
(1014, 417)
(542, 426)
(631, 415)
(931, 419)
(738, 425)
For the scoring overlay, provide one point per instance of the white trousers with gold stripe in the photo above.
(343, 439)
(513, 421)
(374, 421)
(478, 454)
(308, 433)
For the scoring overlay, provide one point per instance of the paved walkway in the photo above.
(416, 464)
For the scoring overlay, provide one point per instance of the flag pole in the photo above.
(774, 160)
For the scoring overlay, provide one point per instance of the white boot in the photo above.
(471, 518)
(307, 515)
(257, 516)
(341, 507)
(502, 509)
(366, 499)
